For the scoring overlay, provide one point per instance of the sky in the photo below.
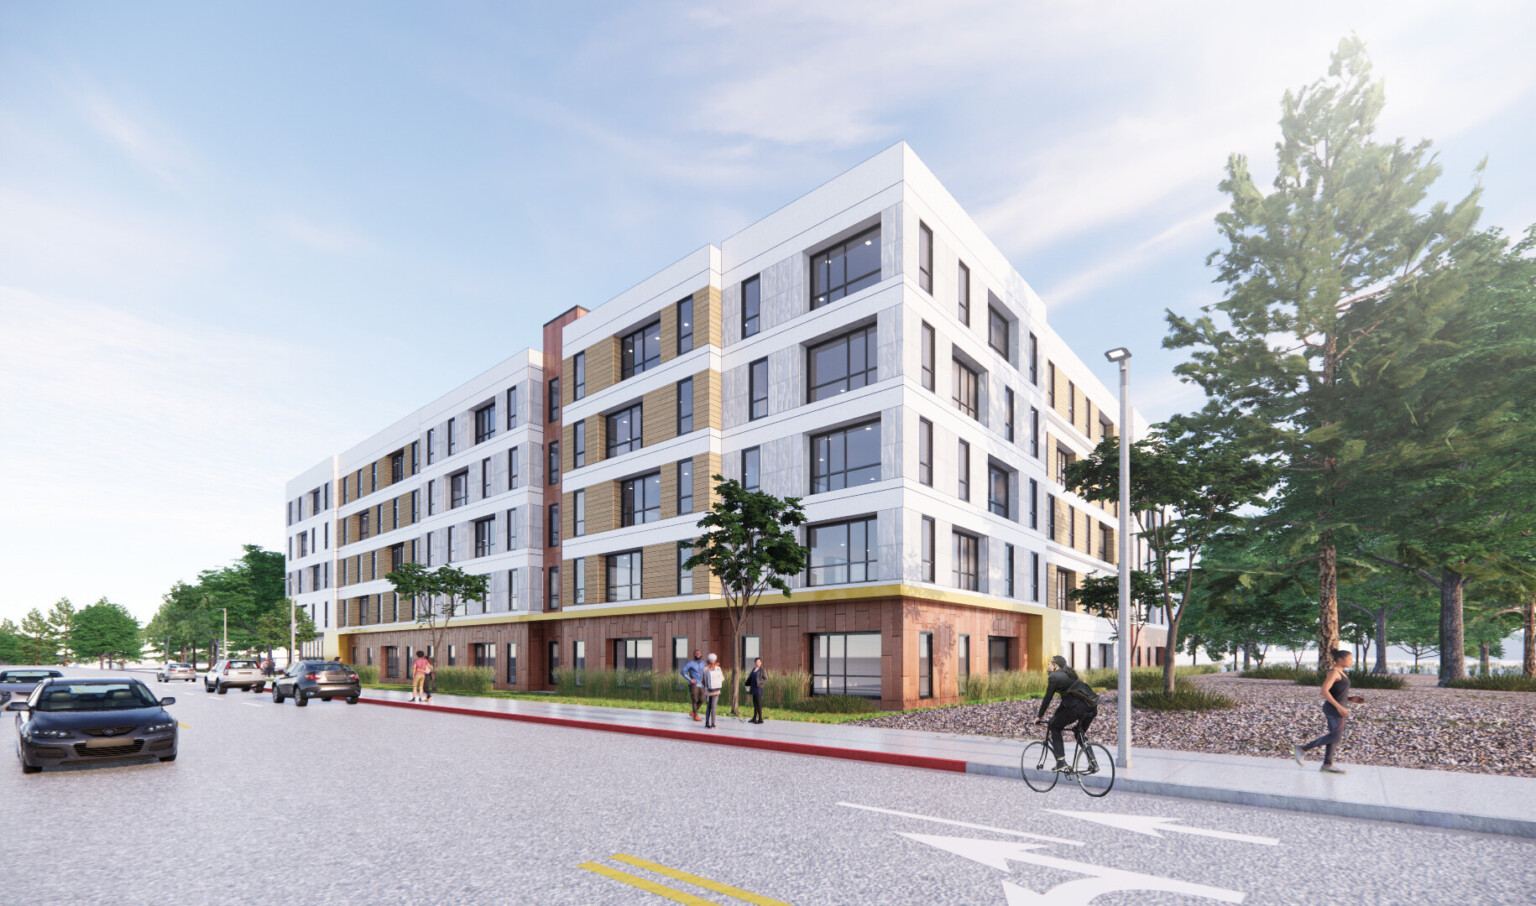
(237, 238)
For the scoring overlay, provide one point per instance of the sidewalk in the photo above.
(1449, 799)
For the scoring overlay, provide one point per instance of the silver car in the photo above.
(175, 671)
(239, 673)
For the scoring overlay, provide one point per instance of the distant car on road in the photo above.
(237, 673)
(324, 680)
(20, 683)
(174, 671)
(78, 721)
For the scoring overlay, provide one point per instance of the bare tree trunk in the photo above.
(1381, 641)
(1169, 674)
(1453, 642)
(1327, 604)
(1528, 658)
(1482, 658)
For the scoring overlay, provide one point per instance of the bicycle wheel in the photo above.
(1094, 766)
(1040, 778)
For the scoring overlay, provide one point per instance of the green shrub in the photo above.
(1002, 686)
(1276, 671)
(1358, 679)
(1184, 698)
(836, 704)
(368, 674)
(464, 680)
(1499, 682)
(783, 689)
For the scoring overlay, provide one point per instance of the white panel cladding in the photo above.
(889, 332)
(735, 386)
(889, 531)
(499, 476)
(730, 313)
(782, 466)
(892, 229)
(786, 379)
(892, 430)
(784, 291)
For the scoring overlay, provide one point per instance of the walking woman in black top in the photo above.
(1335, 694)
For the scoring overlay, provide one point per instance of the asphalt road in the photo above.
(337, 804)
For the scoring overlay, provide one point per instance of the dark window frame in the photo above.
(635, 431)
(868, 526)
(635, 504)
(925, 452)
(833, 291)
(751, 306)
(579, 375)
(967, 554)
(485, 422)
(995, 317)
(634, 564)
(824, 478)
(817, 385)
(634, 352)
(929, 357)
(754, 455)
(685, 413)
(754, 384)
(967, 395)
(685, 325)
(925, 257)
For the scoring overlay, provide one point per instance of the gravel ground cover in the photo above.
(1419, 726)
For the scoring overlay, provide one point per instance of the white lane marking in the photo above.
(998, 853)
(1150, 825)
(981, 827)
(252, 704)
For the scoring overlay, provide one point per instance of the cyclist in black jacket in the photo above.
(1079, 706)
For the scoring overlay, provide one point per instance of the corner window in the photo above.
(845, 268)
(685, 325)
(624, 431)
(751, 307)
(757, 385)
(845, 458)
(749, 469)
(925, 257)
(963, 294)
(641, 350)
(929, 344)
(640, 499)
(846, 663)
(967, 390)
(579, 376)
(842, 552)
(685, 406)
(624, 576)
(842, 364)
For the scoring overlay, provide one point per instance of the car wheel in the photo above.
(221, 688)
(277, 695)
(352, 699)
(258, 688)
(299, 699)
(325, 698)
(168, 758)
(31, 768)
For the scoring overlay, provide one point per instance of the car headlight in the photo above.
(52, 734)
(160, 728)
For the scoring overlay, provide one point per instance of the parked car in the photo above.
(237, 673)
(20, 683)
(77, 721)
(324, 680)
(174, 671)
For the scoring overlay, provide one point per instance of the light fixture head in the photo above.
(1118, 354)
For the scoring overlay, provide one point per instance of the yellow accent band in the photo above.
(697, 881)
(647, 886)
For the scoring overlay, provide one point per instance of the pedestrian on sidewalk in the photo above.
(693, 672)
(714, 681)
(1335, 690)
(421, 668)
(1079, 706)
(755, 681)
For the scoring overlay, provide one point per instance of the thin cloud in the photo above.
(153, 149)
(1107, 271)
(331, 239)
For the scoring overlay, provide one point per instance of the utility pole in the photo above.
(1122, 357)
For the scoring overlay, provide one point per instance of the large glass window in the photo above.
(967, 561)
(967, 392)
(684, 487)
(842, 552)
(624, 576)
(929, 541)
(845, 268)
(640, 499)
(684, 406)
(845, 458)
(485, 423)
(846, 663)
(930, 343)
(579, 376)
(925, 452)
(925, 665)
(963, 484)
(633, 654)
(845, 363)
(624, 431)
(458, 489)
(685, 325)
(999, 653)
(997, 491)
(640, 350)
(751, 479)
(997, 331)
(925, 257)
(751, 307)
(485, 536)
(757, 387)
(578, 445)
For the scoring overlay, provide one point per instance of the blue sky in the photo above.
(200, 204)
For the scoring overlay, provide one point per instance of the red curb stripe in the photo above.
(797, 748)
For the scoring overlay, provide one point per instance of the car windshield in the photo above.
(234, 664)
(181, 666)
(94, 697)
(25, 676)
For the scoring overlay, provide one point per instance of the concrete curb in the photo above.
(1397, 814)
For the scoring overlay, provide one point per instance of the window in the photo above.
(1034, 432)
(429, 559)
(554, 524)
(750, 478)
(1050, 384)
(845, 458)
(963, 655)
(846, 663)
(554, 661)
(552, 588)
(684, 574)
(997, 491)
(757, 384)
(1106, 543)
(633, 654)
(964, 484)
(930, 343)
(1050, 516)
(511, 408)
(925, 665)
(845, 363)
(842, 552)
(431, 450)
(624, 431)
(1034, 576)
(579, 580)
(1034, 504)
(458, 489)
(964, 295)
(453, 655)
(1008, 414)
(511, 663)
(514, 590)
(362, 524)
(579, 376)
(684, 325)
(485, 536)
(640, 499)
(751, 649)
(1064, 582)
(679, 652)
(485, 423)
(925, 452)
(396, 471)
(751, 307)
(579, 445)
(997, 331)
(845, 268)
(999, 653)
(967, 392)
(1071, 527)
(1008, 570)
(925, 257)
(928, 548)
(1034, 360)
(684, 406)
(684, 487)
(512, 529)
(624, 576)
(485, 480)
(1072, 404)
(514, 473)
(554, 462)
(1064, 458)
(641, 350)
(967, 562)
(1104, 428)
(579, 513)
(452, 431)
(579, 657)
(449, 557)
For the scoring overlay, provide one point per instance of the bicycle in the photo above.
(1089, 760)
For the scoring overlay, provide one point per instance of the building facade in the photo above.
(865, 348)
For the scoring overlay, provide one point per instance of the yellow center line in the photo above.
(182, 725)
(648, 886)
(697, 881)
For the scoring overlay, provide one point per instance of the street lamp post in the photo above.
(1122, 356)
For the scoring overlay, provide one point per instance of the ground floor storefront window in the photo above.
(846, 663)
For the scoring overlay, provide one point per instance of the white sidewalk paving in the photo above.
(1450, 799)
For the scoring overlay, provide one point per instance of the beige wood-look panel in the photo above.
(568, 514)
(567, 381)
(658, 571)
(602, 364)
(660, 413)
(597, 579)
(567, 448)
(708, 409)
(669, 490)
(669, 332)
(706, 317)
(705, 467)
(602, 507)
(597, 439)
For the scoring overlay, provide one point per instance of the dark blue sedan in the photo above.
(85, 721)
